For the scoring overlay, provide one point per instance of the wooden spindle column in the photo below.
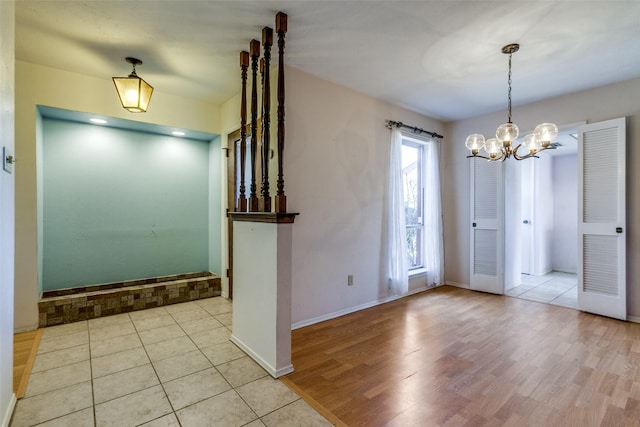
(254, 49)
(267, 42)
(241, 205)
(261, 133)
(281, 30)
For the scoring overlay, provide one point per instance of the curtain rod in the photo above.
(391, 123)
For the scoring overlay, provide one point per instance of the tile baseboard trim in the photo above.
(634, 319)
(89, 305)
(9, 412)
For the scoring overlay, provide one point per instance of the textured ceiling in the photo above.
(440, 58)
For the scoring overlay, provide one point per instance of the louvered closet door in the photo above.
(601, 219)
(487, 226)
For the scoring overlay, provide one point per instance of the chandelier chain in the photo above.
(509, 82)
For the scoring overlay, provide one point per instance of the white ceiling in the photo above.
(439, 58)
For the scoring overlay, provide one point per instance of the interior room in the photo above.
(150, 276)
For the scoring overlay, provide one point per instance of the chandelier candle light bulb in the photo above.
(502, 146)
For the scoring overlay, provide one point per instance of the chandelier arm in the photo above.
(526, 156)
(550, 147)
(515, 152)
(478, 156)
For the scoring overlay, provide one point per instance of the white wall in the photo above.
(543, 215)
(565, 208)
(608, 102)
(40, 85)
(7, 210)
(335, 171)
(513, 217)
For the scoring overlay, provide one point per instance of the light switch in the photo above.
(7, 160)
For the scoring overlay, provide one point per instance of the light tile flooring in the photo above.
(554, 288)
(167, 366)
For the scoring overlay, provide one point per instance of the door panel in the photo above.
(602, 219)
(487, 226)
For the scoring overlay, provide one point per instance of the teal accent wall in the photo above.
(121, 205)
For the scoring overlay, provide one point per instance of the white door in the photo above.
(487, 226)
(601, 219)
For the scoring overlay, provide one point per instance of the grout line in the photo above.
(93, 395)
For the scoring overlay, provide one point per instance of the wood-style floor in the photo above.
(25, 346)
(453, 357)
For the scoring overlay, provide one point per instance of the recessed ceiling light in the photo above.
(177, 133)
(98, 121)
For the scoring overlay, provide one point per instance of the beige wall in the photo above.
(336, 163)
(39, 85)
(608, 102)
(7, 185)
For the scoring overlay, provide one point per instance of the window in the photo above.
(413, 188)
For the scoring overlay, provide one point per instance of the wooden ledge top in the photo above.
(271, 217)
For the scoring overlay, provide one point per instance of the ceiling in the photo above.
(439, 58)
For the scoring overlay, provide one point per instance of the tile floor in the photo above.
(166, 366)
(554, 288)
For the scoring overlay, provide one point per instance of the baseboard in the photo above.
(274, 372)
(9, 412)
(634, 319)
(457, 285)
(339, 313)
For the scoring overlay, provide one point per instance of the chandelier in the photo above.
(501, 147)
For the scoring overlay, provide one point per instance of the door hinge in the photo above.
(227, 213)
(227, 272)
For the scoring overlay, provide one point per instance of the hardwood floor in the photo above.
(25, 346)
(453, 357)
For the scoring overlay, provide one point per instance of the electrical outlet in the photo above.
(350, 280)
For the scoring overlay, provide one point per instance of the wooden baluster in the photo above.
(244, 64)
(267, 41)
(281, 29)
(261, 68)
(254, 48)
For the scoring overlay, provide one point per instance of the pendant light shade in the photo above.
(134, 92)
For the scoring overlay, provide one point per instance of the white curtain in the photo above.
(433, 245)
(397, 258)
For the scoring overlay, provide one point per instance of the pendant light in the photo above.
(134, 93)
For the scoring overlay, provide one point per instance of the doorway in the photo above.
(234, 175)
(541, 233)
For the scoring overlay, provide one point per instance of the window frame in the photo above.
(418, 226)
